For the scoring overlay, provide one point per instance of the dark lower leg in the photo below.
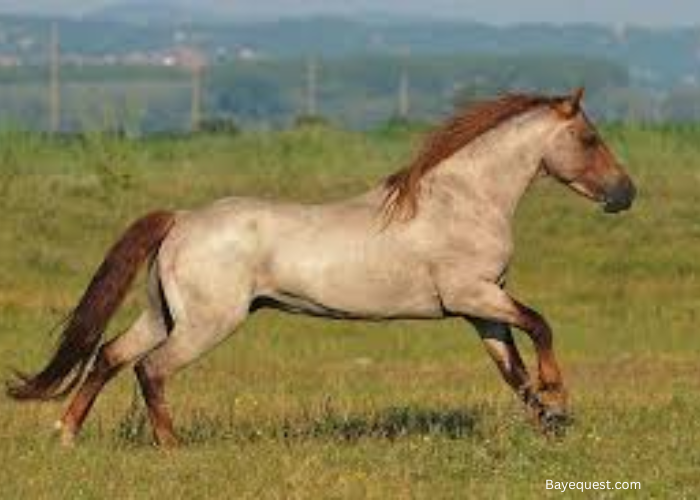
(153, 392)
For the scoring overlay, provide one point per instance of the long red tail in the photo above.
(86, 324)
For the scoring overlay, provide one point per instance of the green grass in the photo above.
(294, 407)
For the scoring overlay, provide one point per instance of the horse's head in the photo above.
(578, 157)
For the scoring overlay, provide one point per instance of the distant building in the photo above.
(168, 60)
(137, 59)
(7, 61)
(189, 58)
(247, 54)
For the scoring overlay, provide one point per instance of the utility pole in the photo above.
(196, 111)
(195, 63)
(404, 89)
(404, 96)
(311, 87)
(54, 81)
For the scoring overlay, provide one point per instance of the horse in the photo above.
(432, 241)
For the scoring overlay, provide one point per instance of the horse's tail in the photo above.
(86, 324)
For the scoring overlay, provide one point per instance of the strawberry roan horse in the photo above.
(433, 241)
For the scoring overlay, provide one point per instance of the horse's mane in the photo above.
(403, 187)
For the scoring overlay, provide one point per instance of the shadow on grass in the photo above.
(390, 424)
(386, 424)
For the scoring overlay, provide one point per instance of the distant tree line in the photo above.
(358, 92)
(657, 58)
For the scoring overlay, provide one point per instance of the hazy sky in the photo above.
(648, 12)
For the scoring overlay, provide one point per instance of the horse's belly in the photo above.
(349, 308)
(345, 289)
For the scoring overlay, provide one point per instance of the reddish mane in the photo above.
(403, 187)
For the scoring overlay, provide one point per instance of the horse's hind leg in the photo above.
(186, 343)
(146, 333)
(153, 392)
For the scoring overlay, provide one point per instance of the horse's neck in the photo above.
(491, 174)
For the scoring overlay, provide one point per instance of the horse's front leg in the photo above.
(499, 343)
(551, 392)
(488, 305)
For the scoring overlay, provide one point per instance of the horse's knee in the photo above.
(535, 325)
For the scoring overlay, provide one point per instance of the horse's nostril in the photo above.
(620, 196)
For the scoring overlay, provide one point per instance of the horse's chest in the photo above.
(483, 253)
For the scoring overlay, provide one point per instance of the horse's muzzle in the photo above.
(620, 196)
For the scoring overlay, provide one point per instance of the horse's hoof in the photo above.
(555, 421)
(67, 439)
(65, 436)
(167, 442)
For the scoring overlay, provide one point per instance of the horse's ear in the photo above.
(571, 106)
(577, 98)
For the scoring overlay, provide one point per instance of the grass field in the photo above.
(294, 407)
